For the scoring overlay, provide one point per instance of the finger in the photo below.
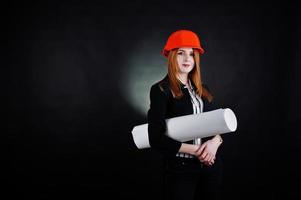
(208, 163)
(212, 160)
(208, 157)
(201, 159)
(203, 155)
(200, 151)
(197, 152)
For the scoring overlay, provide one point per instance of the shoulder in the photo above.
(161, 86)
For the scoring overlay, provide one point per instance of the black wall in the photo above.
(69, 126)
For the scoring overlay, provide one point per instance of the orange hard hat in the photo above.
(182, 38)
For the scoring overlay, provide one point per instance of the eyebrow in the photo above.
(184, 51)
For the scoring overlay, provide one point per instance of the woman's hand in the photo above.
(207, 151)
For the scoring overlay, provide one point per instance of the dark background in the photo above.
(68, 132)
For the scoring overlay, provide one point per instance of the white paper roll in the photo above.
(189, 127)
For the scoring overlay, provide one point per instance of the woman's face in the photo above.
(185, 60)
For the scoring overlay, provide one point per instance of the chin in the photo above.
(187, 71)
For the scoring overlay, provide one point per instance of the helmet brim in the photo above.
(165, 52)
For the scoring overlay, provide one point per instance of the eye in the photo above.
(180, 53)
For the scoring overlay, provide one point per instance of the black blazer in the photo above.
(163, 106)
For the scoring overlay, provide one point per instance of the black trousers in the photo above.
(189, 179)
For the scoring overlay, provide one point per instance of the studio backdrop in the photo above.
(79, 76)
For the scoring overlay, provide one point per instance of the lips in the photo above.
(186, 65)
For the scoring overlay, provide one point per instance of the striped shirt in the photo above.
(198, 106)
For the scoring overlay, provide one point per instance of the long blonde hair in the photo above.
(194, 76)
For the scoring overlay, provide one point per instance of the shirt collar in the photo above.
(190, 84)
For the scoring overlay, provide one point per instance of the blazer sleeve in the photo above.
(157, 124)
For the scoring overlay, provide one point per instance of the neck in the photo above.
(183, 78)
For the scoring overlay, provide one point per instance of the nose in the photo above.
(186, 57)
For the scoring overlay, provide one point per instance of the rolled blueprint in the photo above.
(189, 127)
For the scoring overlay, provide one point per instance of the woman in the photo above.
(193, 168)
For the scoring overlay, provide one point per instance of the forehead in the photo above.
(185, 49)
